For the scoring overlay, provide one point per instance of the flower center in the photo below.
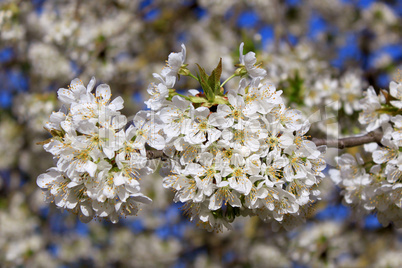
(202, 125)
(238, 172)
(237, 114)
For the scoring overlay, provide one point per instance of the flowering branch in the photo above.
(373, 136)
(249, 156)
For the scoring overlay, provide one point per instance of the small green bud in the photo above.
(183, 70)
(241, 71)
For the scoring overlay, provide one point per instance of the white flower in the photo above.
(147, 126)
(249, 60)
(290, 118)
(351, 88)
(393, 170)
(64, 190)
(167, 78)
(74, 91)
(370, 116)
(257, 192)
(397, 131)
(224, 117)
(224, 196)
(56, 118)
(396, 92)
(200, 128)
(99, 163)
(244, 134)
(174, 116)
(326, 86)
(386, 154)
(239, 181)
(176, 60)
(166, 81)
(277, 138)
(261, 98)
(158, 94)
(130, 207)
(306, 147)
(298, 167)
(273, 166)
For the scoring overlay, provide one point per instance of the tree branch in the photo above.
(155, 154)
(374, 136)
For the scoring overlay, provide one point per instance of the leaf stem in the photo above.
(187, 98)
(191, 75)
(227, 80)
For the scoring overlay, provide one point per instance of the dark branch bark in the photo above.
(155, 154)
(350, 141)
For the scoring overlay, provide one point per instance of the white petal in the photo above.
(119, 179)
(65, 95)
(103, 92)
(122, 193)
(44, 180)
(86, 210)
(91, 167)
(91, 84)
(142, 198)
(117, 103)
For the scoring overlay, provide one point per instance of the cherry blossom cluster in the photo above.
(375, 185)
(301, 73)
(234, 152)
(99, 160)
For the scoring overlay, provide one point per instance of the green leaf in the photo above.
(218, 73)
(197, 100)
(211, 81)
(220, 100)
(203, 74)
(217, 76)
(204, 81)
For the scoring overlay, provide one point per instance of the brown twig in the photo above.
(155, 154)
(350, 141)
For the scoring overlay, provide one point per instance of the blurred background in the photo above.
(321, 53)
